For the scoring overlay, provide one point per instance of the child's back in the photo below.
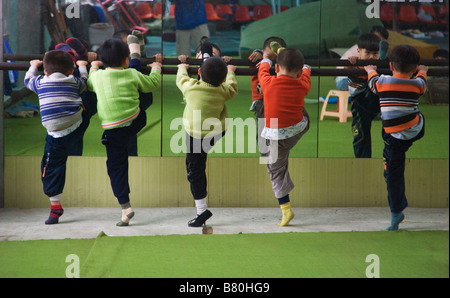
(399, 94)
(117, 91)
(206, 96)
(284, 95)
(59, 92)
(117, 87)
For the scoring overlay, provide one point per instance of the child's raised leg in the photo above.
(53, 176)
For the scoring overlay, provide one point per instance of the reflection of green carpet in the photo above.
(26, 136)
(283, 255)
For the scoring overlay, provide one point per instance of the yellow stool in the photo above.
(342, 111)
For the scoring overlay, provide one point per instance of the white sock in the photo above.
(55, 198)
(201, 206)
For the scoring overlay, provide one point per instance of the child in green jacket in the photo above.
(117, 88)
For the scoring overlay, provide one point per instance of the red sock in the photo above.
(56, 210)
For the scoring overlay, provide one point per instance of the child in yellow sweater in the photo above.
(204, 122)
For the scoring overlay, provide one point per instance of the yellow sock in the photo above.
(288, 215)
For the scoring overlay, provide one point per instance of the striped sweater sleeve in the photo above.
(82, 80)
(31, 79)
(373, 77)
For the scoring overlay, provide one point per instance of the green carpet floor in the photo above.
(402, 254)
(327, 138)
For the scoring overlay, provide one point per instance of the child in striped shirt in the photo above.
(63, 116)
(403, 123)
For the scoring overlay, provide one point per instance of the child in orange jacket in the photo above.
(286, 120)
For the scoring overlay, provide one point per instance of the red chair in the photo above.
(144, 10)
(387, 12)
(443, 15)
(242, 14)
(211, 13)
(157, 10)
(283, 8)
(407, 14)
(261, 12)
(224, 10)
(428, 11)
(172, 11)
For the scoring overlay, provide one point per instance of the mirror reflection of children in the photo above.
(365, 104)
(136, 39)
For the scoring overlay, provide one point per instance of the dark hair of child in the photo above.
(291, 59)
(122, 33)
(404, 58)
(113, 52)
(369, 41)
(274, 38)
(58, 61)
(441, 53)
(381, 30)
(214, 71)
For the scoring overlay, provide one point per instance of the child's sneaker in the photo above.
(133, 45)
(141, 41)
(200, 219)
(205, 48)
(80, 50)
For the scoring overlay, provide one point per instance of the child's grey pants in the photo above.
(278, 160)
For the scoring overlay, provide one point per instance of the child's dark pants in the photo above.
(116, 142)
(56, 151)
(365, 108)
(196, 156)
(394, 155)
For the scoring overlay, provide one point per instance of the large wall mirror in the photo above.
(237, 29)
(422, 25)
(321, 30)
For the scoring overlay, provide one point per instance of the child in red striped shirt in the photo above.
(403, 123)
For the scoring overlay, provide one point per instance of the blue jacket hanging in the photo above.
(10, 77)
